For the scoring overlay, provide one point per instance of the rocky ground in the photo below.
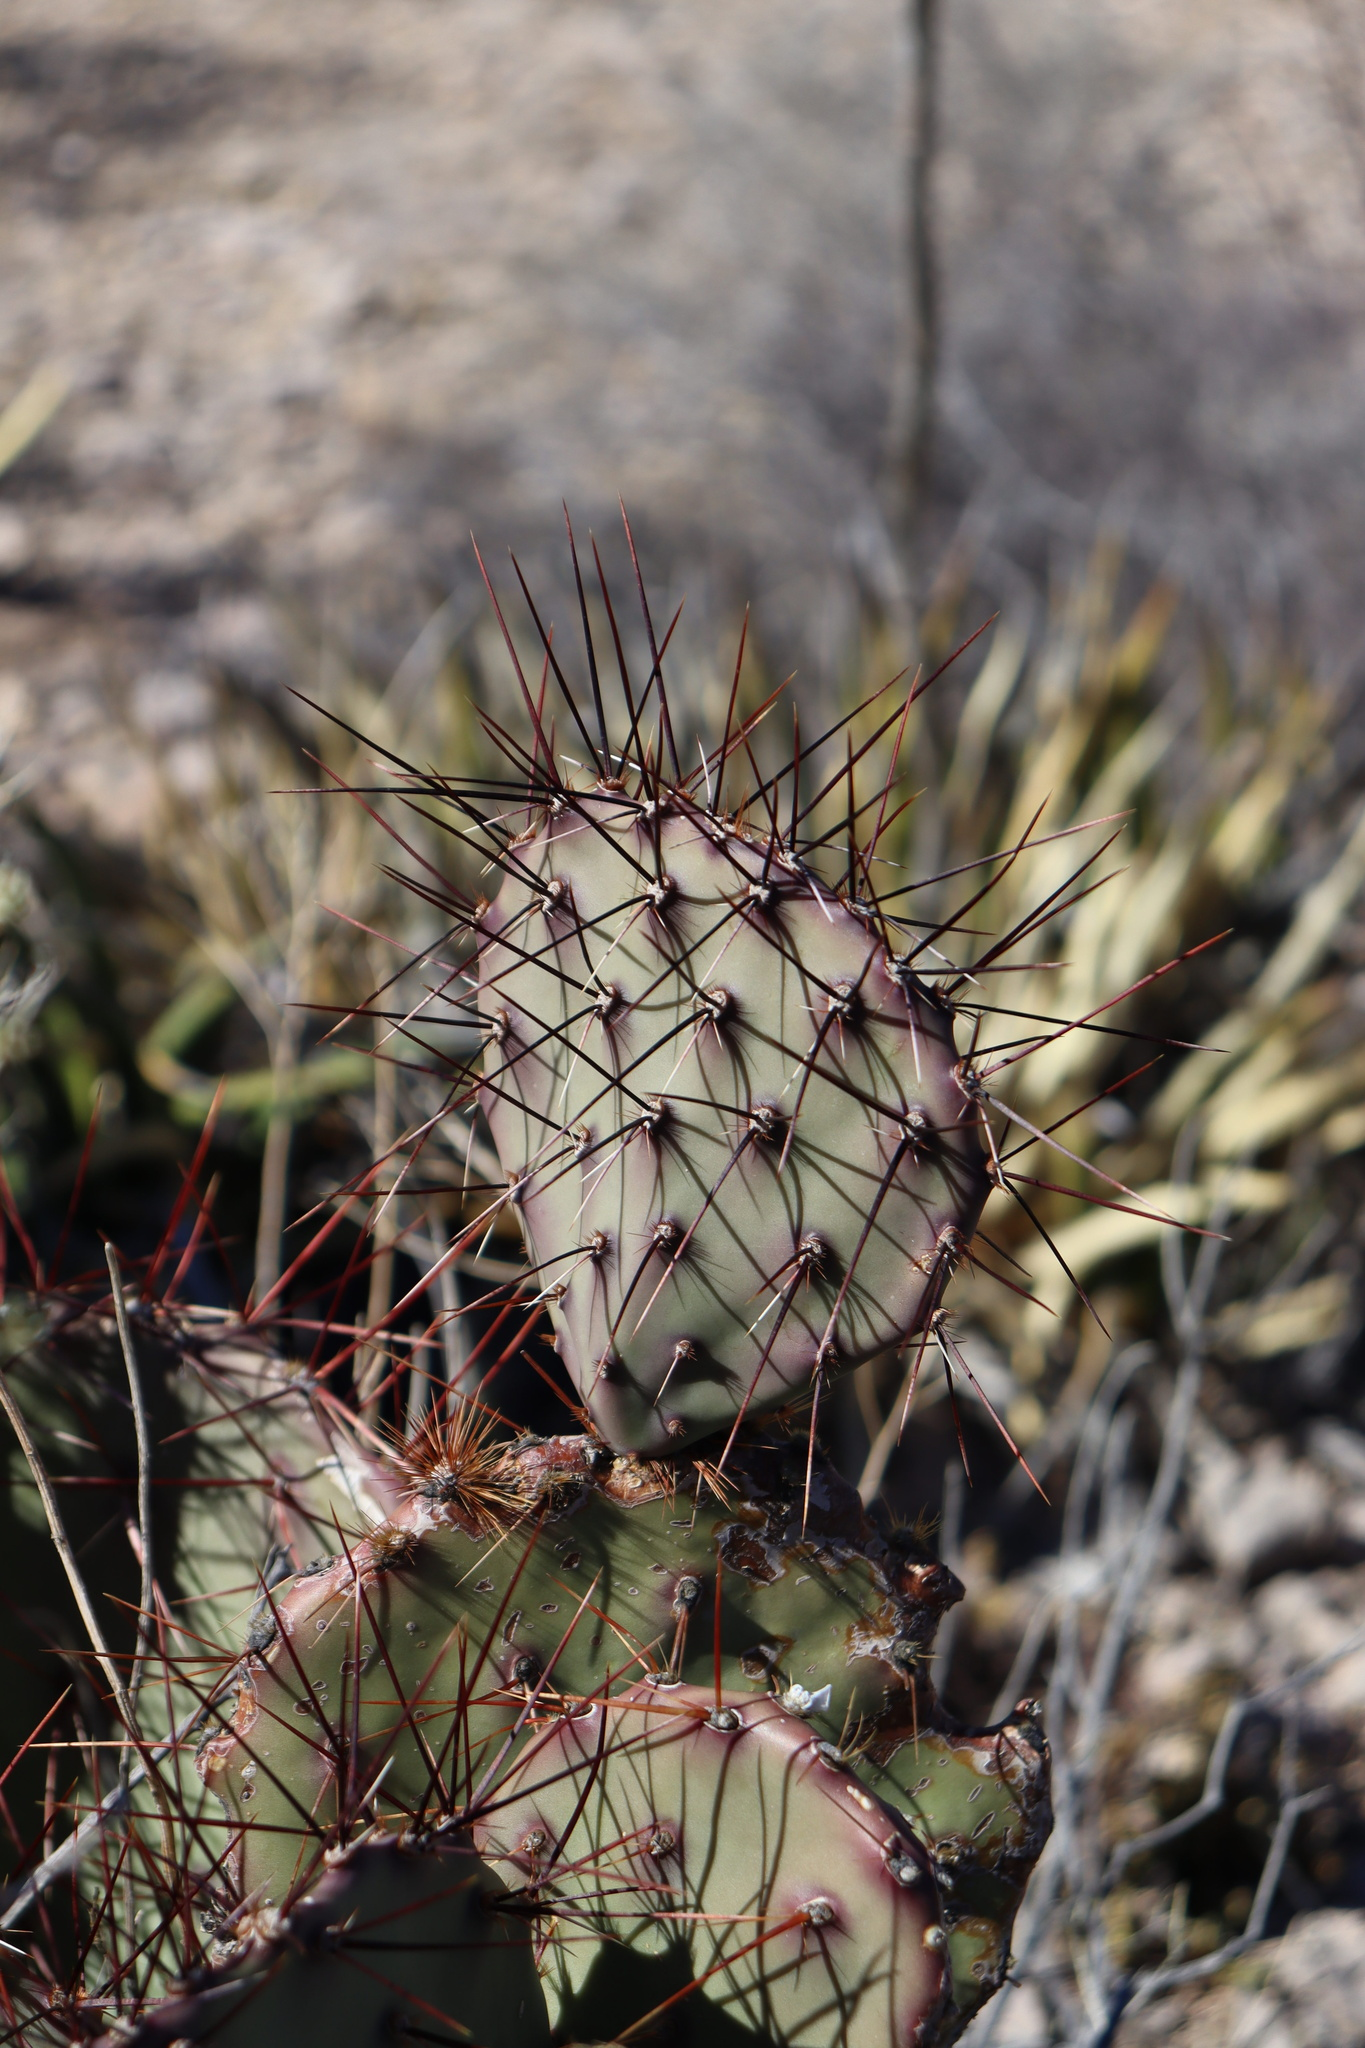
(327, 287)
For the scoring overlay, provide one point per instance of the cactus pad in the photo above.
(660, 1818)
(472, 1644)
(246, 1468)
(416, 1652)
(979, 1801)
(731, 1123)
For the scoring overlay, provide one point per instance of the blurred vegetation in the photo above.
(211, 969)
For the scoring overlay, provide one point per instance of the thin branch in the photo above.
(147, 1598)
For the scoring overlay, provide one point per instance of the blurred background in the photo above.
(884, 317)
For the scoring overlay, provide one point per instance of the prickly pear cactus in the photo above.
(248, 1473)
(731, 1121)
(636, 1721)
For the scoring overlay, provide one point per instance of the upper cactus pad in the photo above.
(731, 1122)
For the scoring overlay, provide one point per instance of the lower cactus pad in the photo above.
(657, 1819)
(390, 1944)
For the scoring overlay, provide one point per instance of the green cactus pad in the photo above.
(732, 1125)
(271, 1472)
(979, 1801)
(659, 1818)
(390, 1944)
(458, 1631)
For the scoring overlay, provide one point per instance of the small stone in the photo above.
(1260, 1513)
(1176, 1756)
